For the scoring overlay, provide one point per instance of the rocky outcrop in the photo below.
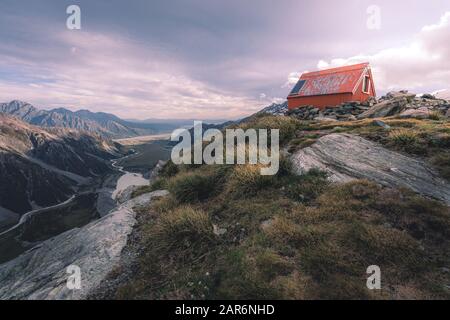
(420, 113)
(385, 108)
(155, 172)
(41, 273)
(346, 157)
(344, 112)
(125, 195)
(402, 103)
(406, 105)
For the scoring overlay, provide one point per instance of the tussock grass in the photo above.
(405, 139)
(436, 115)
(306, 187)
(286, 125)
(277, 248)
(194, 186)
(247, 180)
(295, 237)
(184, 228)
(301, 143)
(169, 170)
(442, 162)
(191, 187)
(404, 136)
(240, 278)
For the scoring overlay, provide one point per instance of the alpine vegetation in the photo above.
(241, 147)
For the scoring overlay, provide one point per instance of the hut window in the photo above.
(366, 84)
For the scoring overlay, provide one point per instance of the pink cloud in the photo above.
(114, 74)
(420, 65)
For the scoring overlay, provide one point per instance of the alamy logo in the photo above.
(239, 145)
(374, 19)
(73, 22)
(74, 280)
(374, 280)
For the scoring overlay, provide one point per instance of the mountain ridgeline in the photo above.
(103, 124)
(40, 167)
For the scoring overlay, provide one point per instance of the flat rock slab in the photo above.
(346, 157)
(41, 273)
(385, 108)
(420, 113)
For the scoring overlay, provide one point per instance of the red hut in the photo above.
(333, 86)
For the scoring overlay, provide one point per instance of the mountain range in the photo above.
(104, 124)
(40, 167)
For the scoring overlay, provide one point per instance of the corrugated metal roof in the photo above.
(330, 81)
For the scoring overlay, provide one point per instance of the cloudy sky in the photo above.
(211, 59)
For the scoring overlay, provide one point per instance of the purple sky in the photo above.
(210, 59)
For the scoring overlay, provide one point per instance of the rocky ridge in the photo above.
(401, 104)
(276, 109)
(101, 123)
(41, 272)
